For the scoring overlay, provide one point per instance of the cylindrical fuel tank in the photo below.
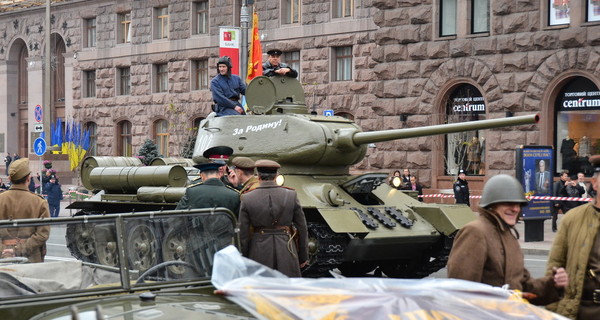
(90, 163)
(129, 179)
(160, 194)
(184, 162)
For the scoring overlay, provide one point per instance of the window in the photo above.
(200, 18)
(342, 8)
(447, 17)
(593, 10)
(559, 12)
(124, 81)
(342, 63)
(161, 136)
(90, 32)
(124, 143)
(292, 59)
(89, 87)
(124, 28)
(200, 74)
(465, 150)
(577, 110)
(291, 11)
(161, 23)
(480, 13)
(161, 72)
(92, 127)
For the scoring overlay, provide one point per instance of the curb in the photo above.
(536, 251)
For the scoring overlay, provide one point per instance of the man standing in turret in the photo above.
(274, 66)
(226, 89)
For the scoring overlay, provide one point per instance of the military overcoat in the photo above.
(210, 194)
(266, 208)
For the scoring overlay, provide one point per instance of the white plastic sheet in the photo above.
(268, 294)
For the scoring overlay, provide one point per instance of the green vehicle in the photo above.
(357, 223)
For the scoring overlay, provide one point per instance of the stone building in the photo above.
(132, 70)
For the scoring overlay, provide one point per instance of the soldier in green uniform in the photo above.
(211, 192)
(19, 203)
(243, 171)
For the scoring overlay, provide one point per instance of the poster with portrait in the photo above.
(534, 167)
(559, 12)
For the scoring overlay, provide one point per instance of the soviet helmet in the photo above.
(224, 60)
(502, 188)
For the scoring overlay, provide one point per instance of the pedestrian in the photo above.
(211, 192)
(243, 172)
(557, 204)
(461, 189)
(274, 66)
(576, 247)
(226, 89)
(31, 185)
(3, 187)
(581, 182)
(7, 160)
(54, 195)
(406, 177)
(414, 186)
(16, 157)
(487, 250)
(570, 189)
(19, 203)
(270, 218)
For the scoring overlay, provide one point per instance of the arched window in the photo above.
(577, 137)
(161, 136)
(124, 142)
(92, 127)
(465, 150)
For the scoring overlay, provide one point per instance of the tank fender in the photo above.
(343, 220)
(447, 219)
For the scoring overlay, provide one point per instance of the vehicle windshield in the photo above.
(112, 253)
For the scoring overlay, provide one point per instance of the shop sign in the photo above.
(580, 100)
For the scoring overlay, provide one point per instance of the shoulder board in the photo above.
(39, 195)
(232, 188)
(195, 184)
(196, 179)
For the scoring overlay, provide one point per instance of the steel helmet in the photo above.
(502, 188)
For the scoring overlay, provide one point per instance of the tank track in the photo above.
(437, 258)
(329, 253)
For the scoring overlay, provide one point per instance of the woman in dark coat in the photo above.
(487, 250)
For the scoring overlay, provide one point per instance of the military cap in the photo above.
(461, 171)
(19, 169)
(209, 166)
(266, 166)
(243, 163)
(274, 52)
(218, 154)
(594, 160)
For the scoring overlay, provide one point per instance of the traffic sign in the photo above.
(38, 128)
(38, 113)
(328, 112)
(39, 146)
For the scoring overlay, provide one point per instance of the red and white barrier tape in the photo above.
(440, 195)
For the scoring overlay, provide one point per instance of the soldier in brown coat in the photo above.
(487, 250)
(19, 203)
(270, 211)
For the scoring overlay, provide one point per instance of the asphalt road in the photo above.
(536, 264)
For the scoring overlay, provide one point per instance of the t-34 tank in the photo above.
(356, 223)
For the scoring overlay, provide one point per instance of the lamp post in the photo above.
(47, 77)
(244, 23)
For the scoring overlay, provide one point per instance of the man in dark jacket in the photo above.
(570, 189)
(54, 195)
(226, 89)
(274, 66)
(461, 189)
(274, 215)
(7, 162)
(556, 204)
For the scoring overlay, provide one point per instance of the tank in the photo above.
(357, 223)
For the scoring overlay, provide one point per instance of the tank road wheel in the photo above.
(326, 250)
(174, 248)
(107, 254)
(142, 246)
(80, 241)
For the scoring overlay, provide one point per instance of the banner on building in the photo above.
(534, 170)
(229, 45)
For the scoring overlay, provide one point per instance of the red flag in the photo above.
(255, 53)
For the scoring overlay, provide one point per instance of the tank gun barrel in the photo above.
(361, 138)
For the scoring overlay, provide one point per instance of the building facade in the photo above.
(136, 70)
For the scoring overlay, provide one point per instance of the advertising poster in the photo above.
(229, 45)
(534, 170)
(593, 10)
(559, 12)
